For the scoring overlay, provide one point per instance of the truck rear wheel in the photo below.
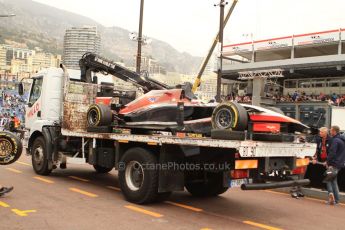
(213, 186)
(139, 183)
(39, 157)
(100, 169)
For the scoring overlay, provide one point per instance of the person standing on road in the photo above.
(335, 161)
(4, 190)
(317, 169)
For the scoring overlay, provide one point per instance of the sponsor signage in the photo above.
(238, 48)
(273, 44)
(316, 38)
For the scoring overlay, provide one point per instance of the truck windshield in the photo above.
(35, 90)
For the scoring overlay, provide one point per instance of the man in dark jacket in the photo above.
(335, 160)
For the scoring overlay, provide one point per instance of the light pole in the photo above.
(140, 36)
(220, 42)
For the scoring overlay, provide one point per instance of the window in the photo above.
(333, 83)
(318, 83)
(290, 84)
(303, 84)
(36, 90)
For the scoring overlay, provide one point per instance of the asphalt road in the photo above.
(77, 198)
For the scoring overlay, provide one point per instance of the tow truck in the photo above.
(150, 165)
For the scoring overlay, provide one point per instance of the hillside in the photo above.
(40, 25)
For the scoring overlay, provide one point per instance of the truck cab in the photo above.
(44, 103)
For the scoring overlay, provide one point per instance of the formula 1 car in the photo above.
(163, 108)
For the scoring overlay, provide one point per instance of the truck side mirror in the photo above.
(21, 89)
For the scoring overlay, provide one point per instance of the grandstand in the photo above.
(312, 63)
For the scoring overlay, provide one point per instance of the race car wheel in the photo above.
(139, 183)
(10, 148)
(99, 115)
(100, 169)
(230, 115)
(39, 157)
(213, 186)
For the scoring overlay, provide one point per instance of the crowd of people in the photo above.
(332, 99)
(11, 109)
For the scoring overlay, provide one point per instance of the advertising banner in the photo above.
(316, 38)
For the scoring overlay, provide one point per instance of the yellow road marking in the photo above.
(263, 226)
(184, 206)
(83, 192)
(44, 180)
(144, 211)
(205, 228)
(78, 178)
(22, 212)
(23, 163)
(114, 188)
(14, 170)
(3, 204)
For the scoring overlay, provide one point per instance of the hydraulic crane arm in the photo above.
(207, 58)
(94, 63)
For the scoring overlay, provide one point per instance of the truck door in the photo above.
(33, 108)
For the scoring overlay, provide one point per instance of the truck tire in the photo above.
(139, 184)
(39, 157)
(212, 187)
(227, 134)
(100, 169)
(99, 115)
(10, 148)
(229, 115)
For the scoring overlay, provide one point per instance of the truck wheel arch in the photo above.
(32, 138)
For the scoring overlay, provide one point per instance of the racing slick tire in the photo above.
(227, 134)
(99, 115)
(138, 183)
(40, 162)
(10, 148)
(229, 115)
(100, 169)
(213, 186)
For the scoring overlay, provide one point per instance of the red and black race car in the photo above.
(163, 108)
(175, 110)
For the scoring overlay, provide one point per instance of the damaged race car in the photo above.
(176, 110)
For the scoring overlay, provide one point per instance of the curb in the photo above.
(314, 193)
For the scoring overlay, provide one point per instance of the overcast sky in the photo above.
(190, 25)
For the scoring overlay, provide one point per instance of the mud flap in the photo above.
(170, 178)
(51, 140)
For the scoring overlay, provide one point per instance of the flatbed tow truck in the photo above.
(153, 165)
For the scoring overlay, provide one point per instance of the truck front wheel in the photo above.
(138, 181)
(213, 186)
(39, 157)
